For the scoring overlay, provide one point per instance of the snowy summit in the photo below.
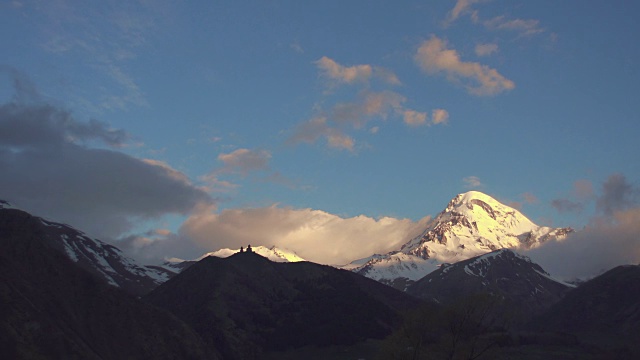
(472, 224)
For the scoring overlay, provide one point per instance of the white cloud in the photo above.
(315, 235)
(414, 118)
(439, 116)
(339, 140)
(353, 74)
(334, 71)
(433, 57)
(486, 49)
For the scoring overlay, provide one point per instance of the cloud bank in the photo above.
(314, 234)
(602, 245)
(50, 168)
(611, 238)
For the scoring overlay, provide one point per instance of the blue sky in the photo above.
(375, 108)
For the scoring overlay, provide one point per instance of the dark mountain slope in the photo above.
(522, 286)
(53, 309)
(104, 261)
(604, 311)
(246, 305)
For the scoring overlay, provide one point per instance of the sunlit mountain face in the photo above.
(472, 224)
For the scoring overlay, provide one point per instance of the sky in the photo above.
(333, 128)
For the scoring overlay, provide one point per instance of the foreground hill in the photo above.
(472, 224)
(53, 308)
(246, 305)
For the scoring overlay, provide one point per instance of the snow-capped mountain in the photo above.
(101, 259)
(472, 224)
(520, 284)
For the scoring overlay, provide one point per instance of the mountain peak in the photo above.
(471, 195)
(472, 224)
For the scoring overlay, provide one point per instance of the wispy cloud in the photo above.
(295, 46)
(529, 198)
(439, 116)
(310, 131)
(583, 189)
(525, 27)
(105, 39)
(337, 73)
(368, 106)
(486, 49)
(244, 161)
(462, 7)
(215, 185)
(472, 182)
(581, 194)
(435, 57)
(564, 205)
(336, 123)
(414, 118)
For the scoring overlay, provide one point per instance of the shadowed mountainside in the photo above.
(246, 305)
(604, 310)
(54, 309)
(523, 287)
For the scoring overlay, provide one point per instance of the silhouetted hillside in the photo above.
(53, 309)
(245, 304)
(523, 288)
(604, 311)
